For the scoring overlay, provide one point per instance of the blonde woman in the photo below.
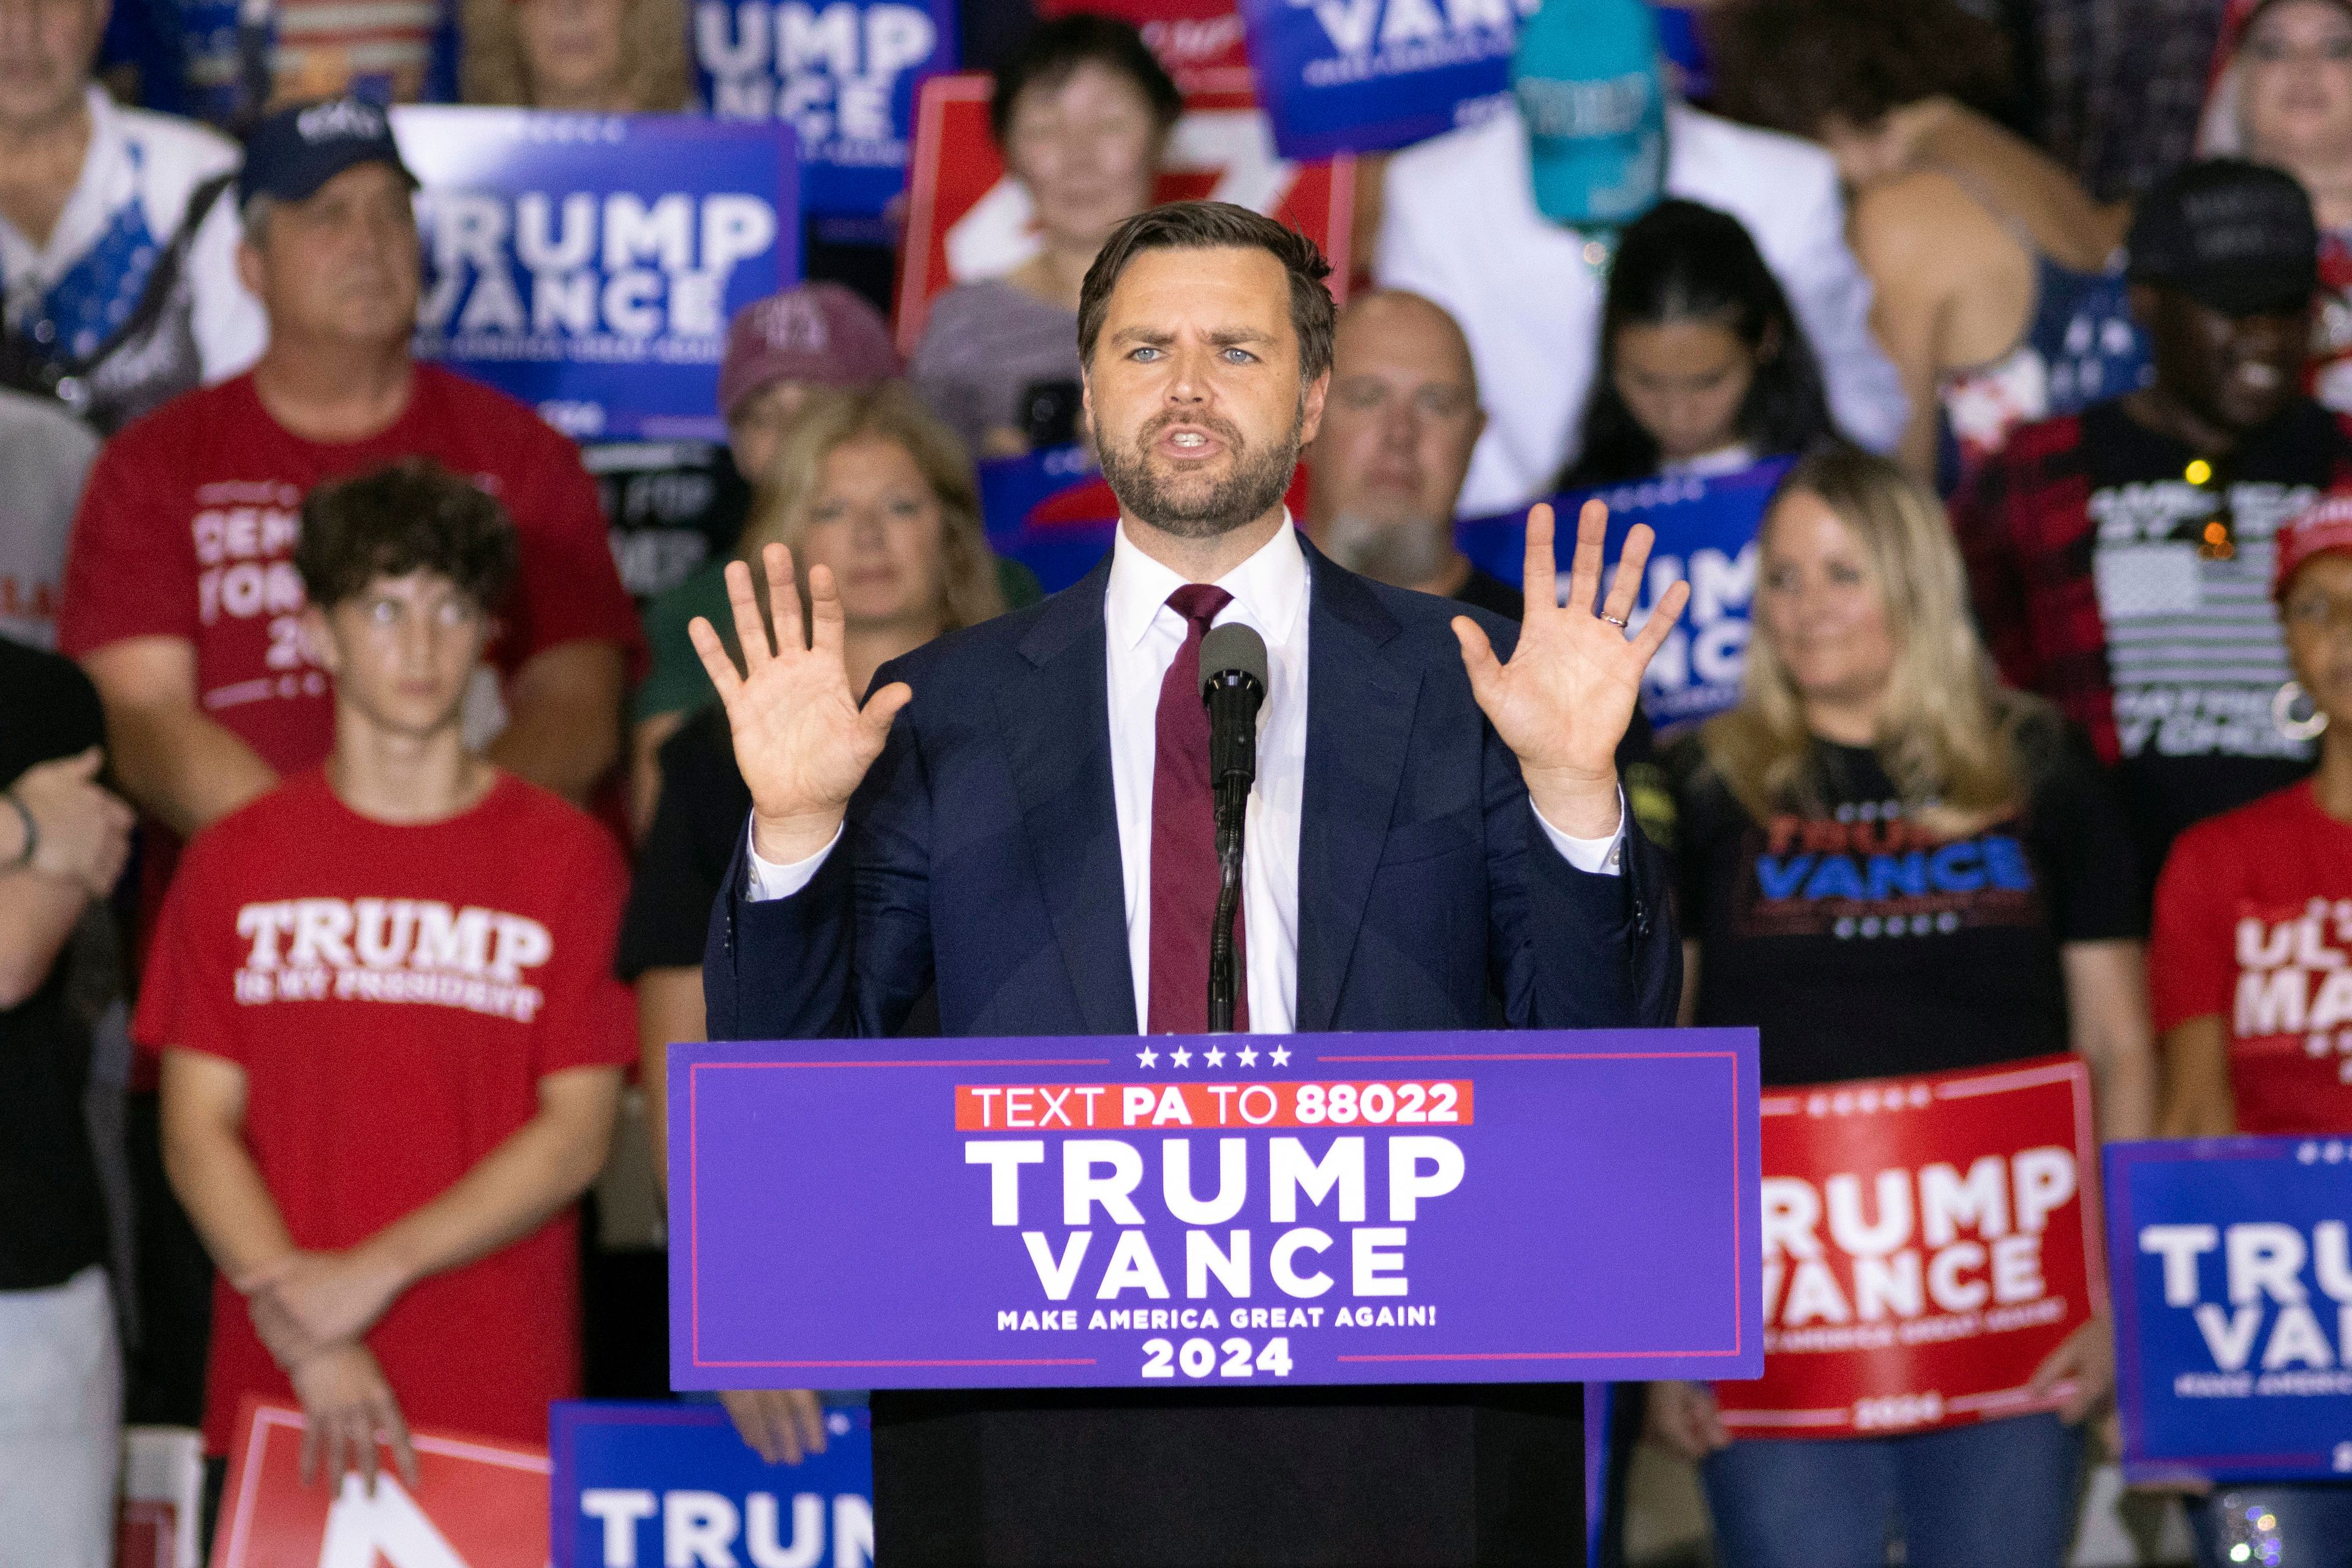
(590, 57)
(872, 486)
(1871, 726)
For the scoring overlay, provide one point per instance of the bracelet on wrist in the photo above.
(32, 832)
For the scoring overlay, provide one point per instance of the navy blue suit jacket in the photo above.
(982, 853)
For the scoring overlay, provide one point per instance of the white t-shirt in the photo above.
(72, 290)
(1460, 226)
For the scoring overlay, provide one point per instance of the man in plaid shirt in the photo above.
(2120, 558)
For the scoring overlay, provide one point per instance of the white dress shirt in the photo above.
(1270, 591)
(1460, 226)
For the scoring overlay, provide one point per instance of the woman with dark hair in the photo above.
(1081, 113)
(1995, 285)
(1704, 367)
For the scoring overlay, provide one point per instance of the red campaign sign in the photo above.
(1927, 1241)
(966, 219)
(1199, 41)
(478, 1504)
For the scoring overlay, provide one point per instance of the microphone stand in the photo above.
(1232, 809)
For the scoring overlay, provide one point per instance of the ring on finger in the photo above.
(1614, 621)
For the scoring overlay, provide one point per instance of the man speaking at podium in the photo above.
(1019, 817)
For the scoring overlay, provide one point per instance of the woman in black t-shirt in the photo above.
(1890, 866)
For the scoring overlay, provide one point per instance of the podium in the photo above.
(1312, 1298)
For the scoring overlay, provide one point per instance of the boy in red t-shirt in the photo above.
(393, 1039)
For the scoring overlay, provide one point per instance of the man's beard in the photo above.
(1254, 486)
(1403, 554)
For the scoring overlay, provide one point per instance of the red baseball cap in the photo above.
(820, 333)
(2323, 527)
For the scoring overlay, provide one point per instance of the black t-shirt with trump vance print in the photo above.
(1864, 943)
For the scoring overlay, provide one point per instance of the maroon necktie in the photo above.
(1185, 837)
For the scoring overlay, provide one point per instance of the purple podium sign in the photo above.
(1172, 1211)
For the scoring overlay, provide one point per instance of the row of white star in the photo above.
(1214, 1057)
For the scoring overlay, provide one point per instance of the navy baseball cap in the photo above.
(293, 151)
(2236, 237)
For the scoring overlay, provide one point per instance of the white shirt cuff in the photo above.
(769, 881)
(1596, 856)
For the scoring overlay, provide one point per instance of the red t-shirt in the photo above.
(187, 530)
(2253, 925)
(395, 995)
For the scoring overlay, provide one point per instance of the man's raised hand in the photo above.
(801, 739)
(1564, 700)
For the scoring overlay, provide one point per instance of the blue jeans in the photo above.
(1997, 1495)
(2282, 1525)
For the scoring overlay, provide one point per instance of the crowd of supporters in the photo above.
(365, 798)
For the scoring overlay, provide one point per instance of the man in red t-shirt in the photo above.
(180, 597)
(393, 1037)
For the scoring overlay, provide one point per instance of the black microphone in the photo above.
(1232, 686)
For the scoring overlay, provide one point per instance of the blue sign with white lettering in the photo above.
(842, 73)
(1364, 75)
(644, 1483)
(1706, 532)
(588, 263)
(2232, 1283)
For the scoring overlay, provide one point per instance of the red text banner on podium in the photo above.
(478, 1504)
(1174, 1211)
(1927, 1242)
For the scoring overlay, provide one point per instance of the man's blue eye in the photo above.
(1144, 353)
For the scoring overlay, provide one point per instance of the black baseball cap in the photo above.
(2236, 237)
(294, 150)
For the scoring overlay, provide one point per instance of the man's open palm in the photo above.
(1564, 700)
(801, 739)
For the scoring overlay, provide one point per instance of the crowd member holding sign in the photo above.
(581, 56)
(873, 488)
(62, 843)
(1993, 275)
(1429, 825)
(1704, 370)
(1081, 113)
(393, 1039)
(117, 245)
(182, 600)
(1510, 224)
(2120, 556)
(2248, 941)
(1871, 725)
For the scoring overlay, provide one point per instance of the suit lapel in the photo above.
(1360, 710)
(1056, 726)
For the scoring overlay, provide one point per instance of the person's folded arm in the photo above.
(563, 729)
(211, 1171)
(172, 761)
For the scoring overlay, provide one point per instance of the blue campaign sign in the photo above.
(843, 74)
(645, 1483)
(2232, 1285)
(1706, 532)
(1050, 510)
(588, 263)
(1365, 76)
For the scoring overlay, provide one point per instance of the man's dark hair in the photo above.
(1790, 65)
(1217, 226)
(406, 516)
(1052, 49)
